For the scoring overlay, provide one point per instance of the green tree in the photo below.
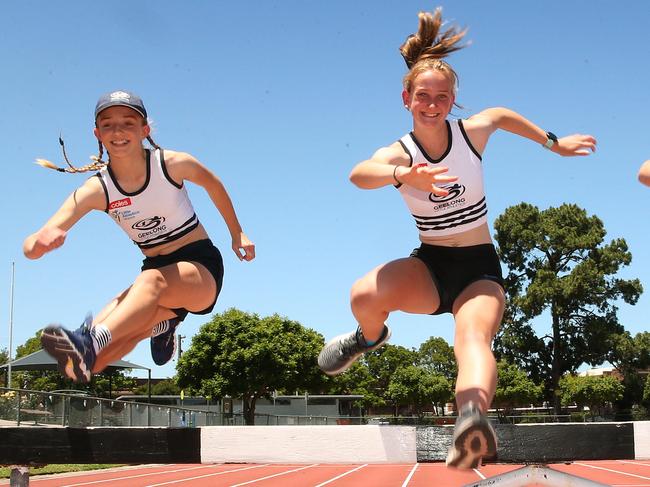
(437, 356)
(167, 387)
(4, 358)
(32, 345)
(646, 392)
(416, 387)
(358, 380)
(105, 384)
(592, 391)
(558, 262)
(242, 355)
(382, 365)
(515, 388)
(374, 375)
(630, 355)
(383, 362)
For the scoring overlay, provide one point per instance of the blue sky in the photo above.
(281, 99)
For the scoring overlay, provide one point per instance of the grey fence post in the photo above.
(19, 476)
(18, 409)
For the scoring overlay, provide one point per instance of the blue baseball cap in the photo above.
(121, 98)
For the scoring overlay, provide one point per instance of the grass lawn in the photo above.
(5, 472)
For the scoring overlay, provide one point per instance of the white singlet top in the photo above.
(464, 207)
(157, 213)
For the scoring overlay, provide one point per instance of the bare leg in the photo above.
(182, 285)
(108, 309)
(130, 317)
(120, 348)
(478, 311)
(403, 284)
(132, 314)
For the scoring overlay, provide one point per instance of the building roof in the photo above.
(41, 360)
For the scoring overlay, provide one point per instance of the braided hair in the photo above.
(97, 164)
(425, 50)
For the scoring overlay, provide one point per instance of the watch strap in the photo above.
(551, 140)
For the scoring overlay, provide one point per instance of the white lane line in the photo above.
(208, 475)
(342, 475)
(479, 473)
(112, 479)
(411, 473)
(274, 475)
(612, 470)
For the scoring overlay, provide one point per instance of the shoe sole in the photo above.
(69, 361)
(354, 358)
(173, 351)
(476, 443)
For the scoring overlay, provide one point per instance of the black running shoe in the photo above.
(73, 350)
(163, 343)
(474, 439)
(342, 351)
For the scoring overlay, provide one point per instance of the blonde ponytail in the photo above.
(426, 49)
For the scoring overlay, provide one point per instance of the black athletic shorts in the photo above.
(454, 268)
(202, 252)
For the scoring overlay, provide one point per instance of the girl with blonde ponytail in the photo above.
(143, 191)
(438, 170)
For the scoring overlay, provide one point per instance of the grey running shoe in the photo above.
(341, 352)
(474, 439)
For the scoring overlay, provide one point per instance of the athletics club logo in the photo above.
(455, 191)
(148, 223)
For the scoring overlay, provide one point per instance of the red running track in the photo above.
(618, 473)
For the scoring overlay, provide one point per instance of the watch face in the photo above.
(551, 136)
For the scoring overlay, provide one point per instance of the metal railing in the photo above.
(27, 407)
(543, 418)
(21, 406)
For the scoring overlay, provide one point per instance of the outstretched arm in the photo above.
(390, 165)
(480, 126)
(183, 166)
(90, 196)
(644, 173)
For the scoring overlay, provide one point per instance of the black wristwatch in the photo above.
(551, 140)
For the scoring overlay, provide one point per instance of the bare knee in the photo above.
(151, 283)
(363, 296)
(474, 337)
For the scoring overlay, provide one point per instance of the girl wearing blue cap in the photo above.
(437, 168)
(143, 191)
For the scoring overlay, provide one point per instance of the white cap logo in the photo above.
(120, 96)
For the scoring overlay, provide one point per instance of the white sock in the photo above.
(160, 328)
(101, 337)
